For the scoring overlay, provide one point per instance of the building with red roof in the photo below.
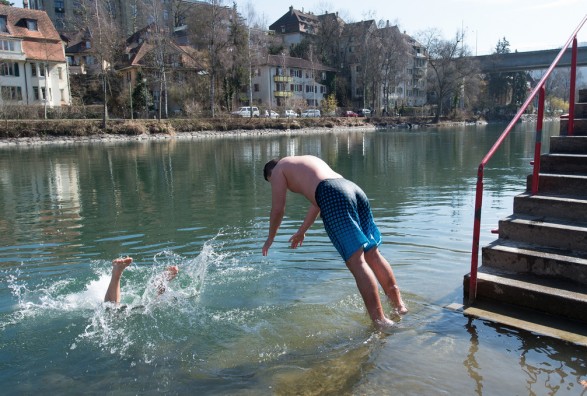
(33, 70)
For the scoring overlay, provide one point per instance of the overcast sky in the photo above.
(526, 24)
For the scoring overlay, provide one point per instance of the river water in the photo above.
(235, 322)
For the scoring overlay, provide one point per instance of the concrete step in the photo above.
(525, 258)
(564, 163)
(579, 126)
(546, 232)
(550, 183)
(551, 206)
(580, 110)
(564, 329)
(552, 296)
(568, 144)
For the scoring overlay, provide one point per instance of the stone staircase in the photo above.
(539, 261)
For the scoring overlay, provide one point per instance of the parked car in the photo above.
(364, 113)
(290, 114)
(311, 113)
(349, 113)
(245, 111)
(271, 114)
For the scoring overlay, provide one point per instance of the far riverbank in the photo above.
(33, 132)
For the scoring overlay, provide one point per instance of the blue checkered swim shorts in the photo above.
(347, 217)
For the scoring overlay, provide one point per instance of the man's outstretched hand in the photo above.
(297, 239)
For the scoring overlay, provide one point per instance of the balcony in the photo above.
(283, 94)
(282, 79)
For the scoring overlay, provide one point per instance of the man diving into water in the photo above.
(118, 267)
(348, 221)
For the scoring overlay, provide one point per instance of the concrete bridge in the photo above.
(531, 60)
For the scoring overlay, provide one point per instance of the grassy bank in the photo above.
(80, 128)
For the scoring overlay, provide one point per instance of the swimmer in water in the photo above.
(118, 267)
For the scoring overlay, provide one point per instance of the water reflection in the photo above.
(544, 362)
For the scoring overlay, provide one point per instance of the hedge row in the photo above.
(72, 128)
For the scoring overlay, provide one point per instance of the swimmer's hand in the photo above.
(297, 239)
(266, 246)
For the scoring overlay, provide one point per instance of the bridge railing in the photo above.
(539, 91)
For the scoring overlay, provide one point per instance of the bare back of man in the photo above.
(303, 173)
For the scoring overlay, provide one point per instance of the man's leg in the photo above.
(367, 285)
(118, 266)
(384, 274)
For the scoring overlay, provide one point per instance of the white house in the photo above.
(33, 70)
(284, 81)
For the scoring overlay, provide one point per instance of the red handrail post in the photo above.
(571, 122)
(538, 142)
(476, 233)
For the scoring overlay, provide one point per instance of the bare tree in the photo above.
(393, 59)
(450, 68)
(209, 24)
(105, 40)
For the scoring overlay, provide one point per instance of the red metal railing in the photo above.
(538, 90)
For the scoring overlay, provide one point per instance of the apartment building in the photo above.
(357, 51)
(284, 81)
(33, 70)
(130, 15)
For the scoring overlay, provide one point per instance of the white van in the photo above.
(245, 111)
(311, 113)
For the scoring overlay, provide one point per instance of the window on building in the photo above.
(3, 25)
(60, 72)
(358, 68)
(34, 69)
(295, 73)
(10, 45)
(62, 95)
(9, 69)
(60, 21)
(31, 24)
(11, 93)
(41, 70)
(39, 93)
(322, 89)
(256, 87)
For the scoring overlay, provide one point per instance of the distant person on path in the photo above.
(348, 221)
(118, 267)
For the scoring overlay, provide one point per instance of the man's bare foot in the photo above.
(383, 324)
(395, 297)
(119, 264)
(401, 309)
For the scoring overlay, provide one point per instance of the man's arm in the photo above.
(278, 195)
(298, 238)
